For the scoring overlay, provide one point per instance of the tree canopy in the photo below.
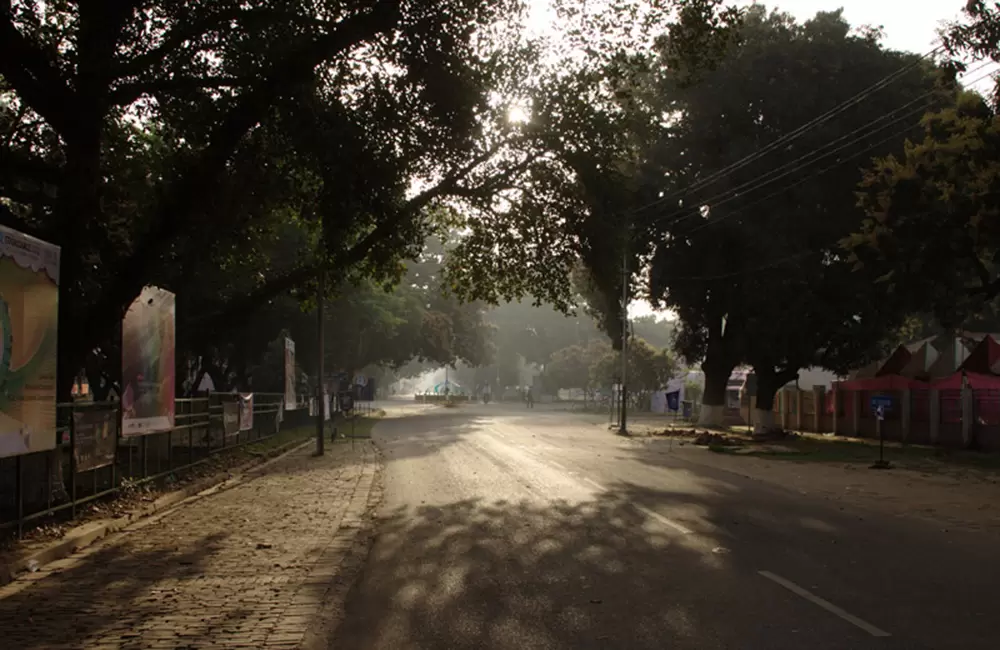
(150, 138)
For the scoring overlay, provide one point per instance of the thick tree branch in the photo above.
(195, 27)
(27, 197)
(34, 75)
(14, 164)
(185, 200)
(242, 307)
(129, 93)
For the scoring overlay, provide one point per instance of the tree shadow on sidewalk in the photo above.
(111, 590)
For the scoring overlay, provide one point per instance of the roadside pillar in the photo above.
(819, 408)
(835, 395)
(935, 415)
(798, 409)
(855, 413)
(906, 414)
(968, 417)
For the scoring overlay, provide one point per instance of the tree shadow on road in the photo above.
(438, 428)
(594, 574)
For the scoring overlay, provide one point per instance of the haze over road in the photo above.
(503, 528)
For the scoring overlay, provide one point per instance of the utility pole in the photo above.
(622, 428)
(319, 344)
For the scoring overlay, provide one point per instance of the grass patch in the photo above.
(918, 457)
(358, 427)
(287, 437)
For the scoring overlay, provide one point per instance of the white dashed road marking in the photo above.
(683, 530)
(828, 606)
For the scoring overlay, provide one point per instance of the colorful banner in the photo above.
(29, 317)
(231, 418)
(246, 411)
(291, 400)
(95, 436)
(148, 363)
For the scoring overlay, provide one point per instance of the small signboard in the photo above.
(246, 411)
(96, 436)
(231, 418)
(881, 405)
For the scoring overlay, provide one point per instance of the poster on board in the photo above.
(29, 317)
(95, 436)
(246, 411)
(231, 418)
(291, 400)
(148, 363)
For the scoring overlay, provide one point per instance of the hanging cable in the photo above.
(798, 132)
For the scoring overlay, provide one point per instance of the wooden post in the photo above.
(819, 408)
(855, 413)
(968, 417)
(906, 414)
(935, 415)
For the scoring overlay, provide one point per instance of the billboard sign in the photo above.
(95, 436)
(29, 317)
(148, 363)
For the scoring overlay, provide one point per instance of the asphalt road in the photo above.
(504, 528)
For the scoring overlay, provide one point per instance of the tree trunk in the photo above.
(769, 382)
(713, 404)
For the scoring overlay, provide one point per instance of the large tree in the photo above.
(933, 227)
(142, 134)
(933, 222)
(753, 194)
(563, 219)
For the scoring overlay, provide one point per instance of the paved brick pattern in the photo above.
(251, 566)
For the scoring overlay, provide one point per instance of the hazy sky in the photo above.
(908, 24)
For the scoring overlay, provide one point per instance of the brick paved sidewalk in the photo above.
(252, 566)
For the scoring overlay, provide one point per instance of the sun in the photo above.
(518, 114)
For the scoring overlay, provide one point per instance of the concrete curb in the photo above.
(84, 535)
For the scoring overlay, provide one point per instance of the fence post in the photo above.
(72, 464)
(835, 396)
(855, 413)
(19, 488)
(819, 408)
(50, 458)
(118, 439)
(906, 414)
(798, 409)
(934, 409)
(968, 419)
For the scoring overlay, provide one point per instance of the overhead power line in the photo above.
(836, 164)
(807, 158)
(796, 133)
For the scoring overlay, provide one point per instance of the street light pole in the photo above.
(319, 344)
(622, 426)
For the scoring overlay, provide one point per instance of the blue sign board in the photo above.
(881, 405)
(881, 401)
